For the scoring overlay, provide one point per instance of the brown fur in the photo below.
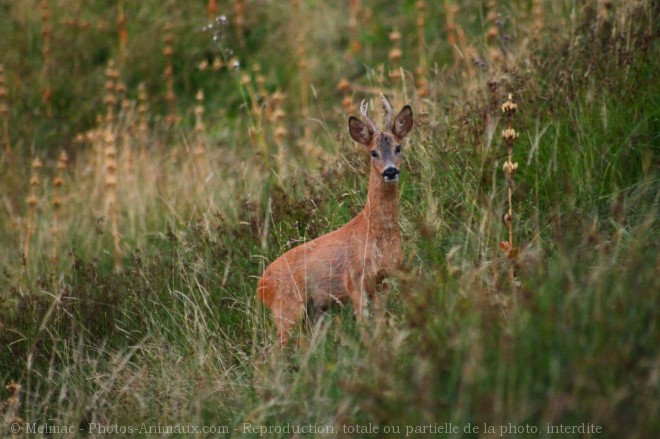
(350, 262)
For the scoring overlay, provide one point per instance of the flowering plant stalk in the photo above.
(510, 136)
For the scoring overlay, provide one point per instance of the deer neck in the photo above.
(382, 207)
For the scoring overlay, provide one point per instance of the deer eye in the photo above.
(374, 154)
(397, 150)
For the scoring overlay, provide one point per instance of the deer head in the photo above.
(385, 145)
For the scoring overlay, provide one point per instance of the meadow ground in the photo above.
(156, 157)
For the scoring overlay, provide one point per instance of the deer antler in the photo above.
(388, 112)
(363, 111)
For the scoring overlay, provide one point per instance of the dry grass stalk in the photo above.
(491, 18)
(246, 82)
(344, 87)
(537, 13)
(32, 203)
(212, 8)
(394, 56)
(510, 167)
(239, 12)
(199, 149)
(110, 98)
(76, 23)
(452, 37)
(106, 140)
(354, 45)
(143, 121)
(4, 113)
(58, 182)
(45, 50)
(421, 83)
(280, 132)
(457, 40)
(122, 33)
(312, 151)
(127, 130)
(256, 130)
(603, 11)
(170, 97)
(260, 80)
(469, 54)
(450, 14)
(110, 155)
(493, 31)
(95, 137)
(124, 102)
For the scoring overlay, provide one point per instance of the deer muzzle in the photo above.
(391, 174)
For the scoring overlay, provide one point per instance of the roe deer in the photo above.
(350, 262)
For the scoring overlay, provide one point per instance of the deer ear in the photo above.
(403, 122)
(359, 130)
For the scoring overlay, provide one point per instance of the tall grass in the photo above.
(176, 336)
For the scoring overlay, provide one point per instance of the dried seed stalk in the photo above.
(510, 136)
(4, 113)
(58, 182)
(32, 202)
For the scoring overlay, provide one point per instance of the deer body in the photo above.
(349, 263)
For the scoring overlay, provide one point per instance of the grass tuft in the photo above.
(127, 286)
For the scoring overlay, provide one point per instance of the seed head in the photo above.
(343, 86)
(395, 36)
(278, 114)
(13, 388)
(395, 74)
(509, 134)
(280, 133)
(347, 104)
(261, 80)
(394, 55)
(277, 97)
(110, 99)
(109, 140)
(111, 181)
(510, 167)
(509, 107)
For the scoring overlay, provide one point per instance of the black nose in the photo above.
(390, 173)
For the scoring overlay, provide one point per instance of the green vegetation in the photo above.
(129, 266)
